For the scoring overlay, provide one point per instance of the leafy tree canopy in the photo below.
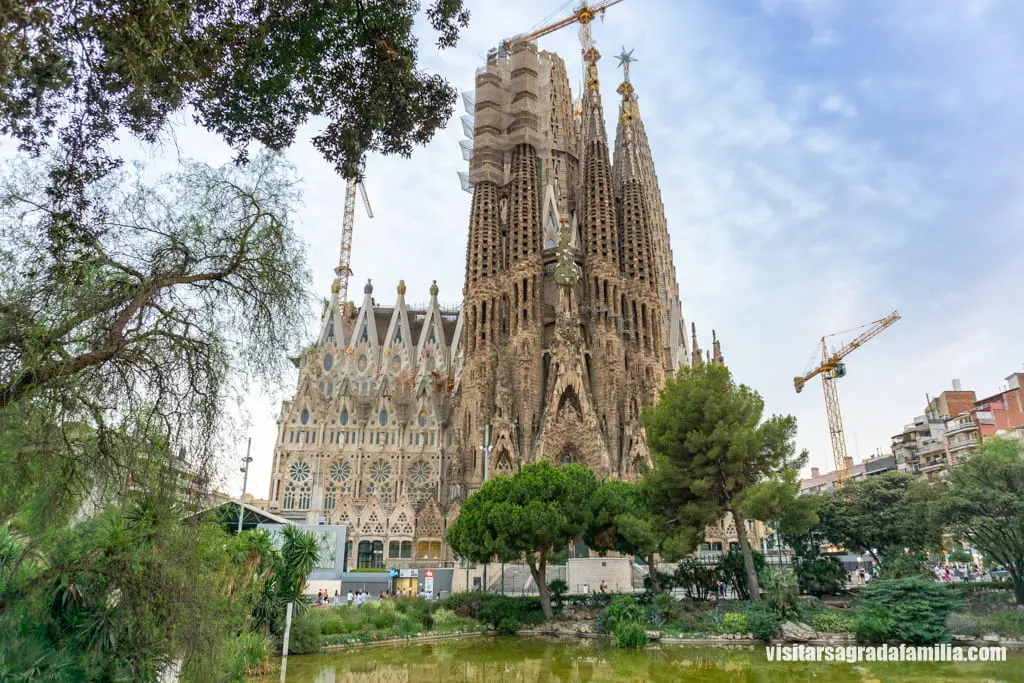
(78, 73)
(534, 512)
(889, 513)
(622, 520)
(185, 287)
(710, 447)
(985, 505)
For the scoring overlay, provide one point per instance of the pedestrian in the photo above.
(348, 599)
(586, 589)
(604, 586)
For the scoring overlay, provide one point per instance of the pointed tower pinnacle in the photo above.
(636, 239)
(717, 358)
(597, 208)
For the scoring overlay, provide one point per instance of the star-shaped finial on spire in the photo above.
(625, 59)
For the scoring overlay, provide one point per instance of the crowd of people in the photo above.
(360, 597)
(958, 571)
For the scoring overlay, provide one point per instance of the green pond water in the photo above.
(486, 659)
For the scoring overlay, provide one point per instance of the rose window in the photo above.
(380, 471)
(299, 471)
(340, 471)
(420, 472)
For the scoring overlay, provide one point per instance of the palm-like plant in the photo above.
(300, 552)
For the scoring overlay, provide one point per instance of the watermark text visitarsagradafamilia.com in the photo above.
(884, 653)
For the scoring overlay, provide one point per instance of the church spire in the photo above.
(597, 210)
(637, 260)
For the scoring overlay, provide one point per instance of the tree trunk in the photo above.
(1018, 585)
(748, 557)
(538, 570)
(655, 583)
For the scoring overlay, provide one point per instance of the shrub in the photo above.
(445, 619)
(622, 608)
(408, 626)
(467, 604)
(733, 622)
(557, 589)
(734, 572)
(664, 607)
(305, 634)
(697, 579)
(781, 591)
(689, 622)
(905, 566)
(508, 614)
(915, 608)
(331, 625)
(960, 556)
(630, 634)
(248, 655)
(820, 576)
(830, 622)
(872, 626)
(763, 621)
(384, 618)
(963, 625)
(1005, 623)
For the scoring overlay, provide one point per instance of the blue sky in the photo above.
(823, 162)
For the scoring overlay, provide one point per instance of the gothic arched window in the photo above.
(305, 415)
(328, 362)
(344, 417)
(288, 500)
(305, 496)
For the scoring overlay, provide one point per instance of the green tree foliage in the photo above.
(710, 447)
(76, 75)
(118, 597)
(145, 332)
(622, 520)
(798, 525)
(535, 511)
(985, 505)
(733, 570)
(891, 513)
(117, 361)
(911, 610)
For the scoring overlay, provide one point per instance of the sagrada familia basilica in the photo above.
(570, 323)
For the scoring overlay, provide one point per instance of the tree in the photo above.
(537, 510)
(622, 520)
(187, 286)
(710, 446)
(985, 506)
(78, 75)
(889, 514)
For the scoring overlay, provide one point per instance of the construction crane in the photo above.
(344, 269)
(832, 368)
(583, 15)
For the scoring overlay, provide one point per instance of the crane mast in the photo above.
(831, 369)
(344, 269)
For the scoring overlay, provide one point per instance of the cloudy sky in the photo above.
(822, 162)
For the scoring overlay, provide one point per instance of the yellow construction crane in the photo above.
(344, 269)
(832, 368)
(583, 15)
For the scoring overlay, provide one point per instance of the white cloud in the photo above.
(836, 104)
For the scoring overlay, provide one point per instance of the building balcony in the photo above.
(962, 444)
(933, 466)
(931, 448)
(960, 427)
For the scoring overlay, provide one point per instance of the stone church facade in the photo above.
(570, 323)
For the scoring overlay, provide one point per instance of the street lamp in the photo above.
(245, 481)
